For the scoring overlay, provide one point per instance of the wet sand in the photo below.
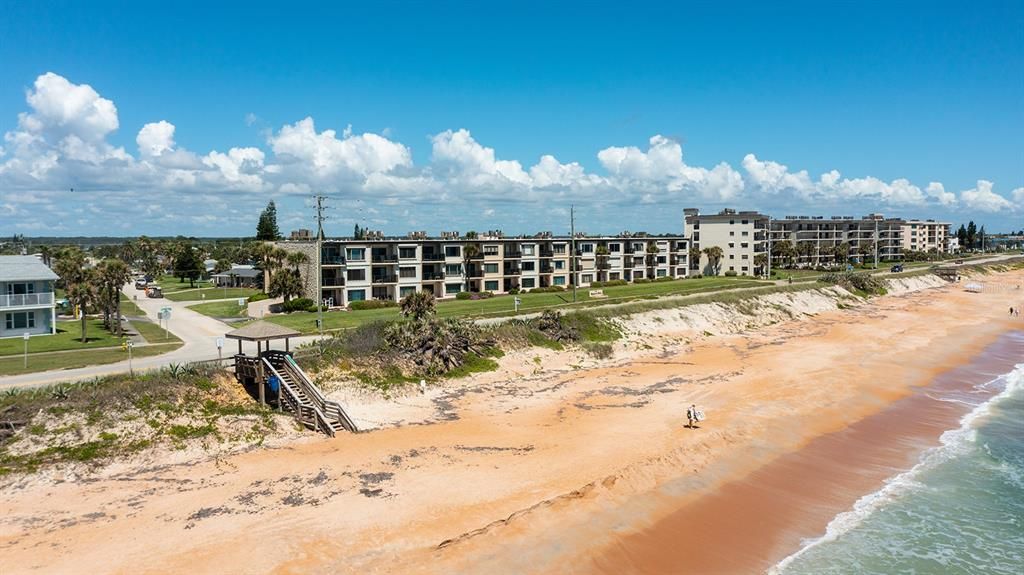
(524, 470)
(750, 524)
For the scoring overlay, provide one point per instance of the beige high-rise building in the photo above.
(740, 235)
(819, 241)
(925, 236)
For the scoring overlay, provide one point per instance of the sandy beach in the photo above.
(556, 463)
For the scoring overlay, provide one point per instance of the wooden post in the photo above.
(286, 344)
(239, 347)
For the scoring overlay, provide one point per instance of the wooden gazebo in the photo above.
(249, 370)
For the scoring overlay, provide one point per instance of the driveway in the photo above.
(198, 333)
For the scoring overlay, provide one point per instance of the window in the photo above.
(21, 288)
(491, 285)
(452, 288)
(744, 222)
(732, 222)
(661, 273)
(356, 275)
(732, 245)
(529, 266)
(732, 256)
(452, 251)
(407, 253)
(559, 264)
(587, 278)
(407, 272)
(558, 249)
(613, 276)
(732, 233)
(744, 257)
(529, 250)
(662, 260)
(21, 320)
(732, 269)
(638, 247)
(586, 248)
(744, 245)
(744, 268)
(490, 268)
(745, 233)
(453, 269)
(407, 290)
(529, 282)
(356, 254)
(614, 248)
(356, 295)
(490, 250)
(559, 280)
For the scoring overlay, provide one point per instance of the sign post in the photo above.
(25, 337)
(165, 313)
(220, 347)
(131, 372)
(518, 302)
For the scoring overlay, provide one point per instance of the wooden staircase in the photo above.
(300, 396)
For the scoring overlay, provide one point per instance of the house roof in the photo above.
(24, 268)
(262, 331)
(240, 272)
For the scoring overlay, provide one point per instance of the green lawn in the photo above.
(172, 284)
(68, 336)
(70, 360)
(153, 333)
(220, 309)
(210, 293)
(129, 309)
(531, 302)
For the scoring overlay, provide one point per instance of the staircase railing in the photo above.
(329, 407)
(291, 397)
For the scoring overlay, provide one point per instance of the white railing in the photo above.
(26, 299)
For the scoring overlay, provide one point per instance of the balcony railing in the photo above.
(384, 259)
(334, 282)
(509, 254)
(333, 260)
(433, 257)
(547, 254)
(427, 276)
(546, 269)
(18, 300)
(513, 271)
(389, 279)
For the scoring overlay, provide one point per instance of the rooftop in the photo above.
(24, 268)
(262, 331)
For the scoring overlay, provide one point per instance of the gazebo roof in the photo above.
(262, 331)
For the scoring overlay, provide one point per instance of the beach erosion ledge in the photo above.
(571, 468)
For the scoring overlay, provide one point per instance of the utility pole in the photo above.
(572, 249)
(768, 239)
(319, 269)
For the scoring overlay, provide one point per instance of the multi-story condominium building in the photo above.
(925, 236)
(392, 268)
(26, 297)
(817, 241)
(741, 236)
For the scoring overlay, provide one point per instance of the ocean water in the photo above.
(960, 510)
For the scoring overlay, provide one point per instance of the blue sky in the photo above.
(479, 116)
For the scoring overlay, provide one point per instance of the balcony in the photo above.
(513, 271)
(27, 299)
(547, 254)
(333, 282)
(384, 259)
(433, 257)
(432, 276)
(509, 254)
(331, 260)
(546, 270)
(386, 279)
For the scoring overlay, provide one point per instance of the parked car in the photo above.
(154, 292)
(896, 268)
(141, 283)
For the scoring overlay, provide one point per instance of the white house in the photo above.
(26, 297)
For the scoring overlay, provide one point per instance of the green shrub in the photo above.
(547, 289)
(666, 279)
(598, 350)
(609, 283)
(641, 281)
(298, 304)
(731, 273)
(258, 297)
(463, 295)
(371, 304)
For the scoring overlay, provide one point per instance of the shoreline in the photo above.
(752, 523)
(522, 470)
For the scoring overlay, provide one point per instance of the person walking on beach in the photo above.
(691, 416)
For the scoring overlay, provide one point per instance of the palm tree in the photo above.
(761, 263)
(129, 252)
(70, 266)
(264, 254)
(285, 284)
(468, 253)
(602, 262)
(714, 254)
(805, 249)
(694, 255)
(418, 305)
(112, 275)
(785, 251)
(296, 259)
(652, 258)
(83, 294)
(842, 252)
(47, 253)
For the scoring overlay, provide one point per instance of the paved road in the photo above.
(198, 333)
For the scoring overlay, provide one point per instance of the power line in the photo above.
(320, 217)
